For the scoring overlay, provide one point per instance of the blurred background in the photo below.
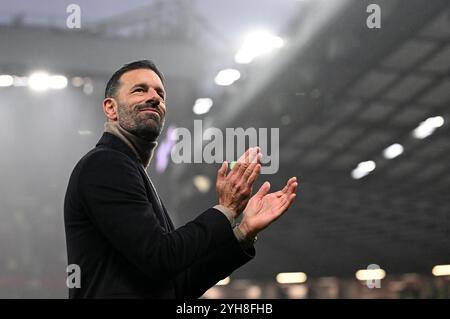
(363, 115)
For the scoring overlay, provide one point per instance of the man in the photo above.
(117, 229)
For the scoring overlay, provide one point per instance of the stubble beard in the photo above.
(147, 126)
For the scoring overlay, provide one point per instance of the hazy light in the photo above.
(297, 291)
(77, 81)
(20, 81)
(256, 44)
(286, 119)
(441, 270)
(6, 80)
(370, 274)
(202, 105)
(393, 151)
(57, 82)
(227, 77)
(39, 81)
(213, 293)
(253, 292)
(88, 88)
(363, 169)
(203, 183)
(427, 127)
(84, 132)
(291, 277)
(224, 282)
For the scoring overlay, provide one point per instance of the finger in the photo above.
(242, 168)
(231, 165)
(254, 175)
(263, 190)
(249, 170)
(235, 169)
(256, 156)
(286, 187)
(292, 188)
(286, 202)
(244, 162)
(245, 157)
(221, 173)
(291, 199)
(290, 181)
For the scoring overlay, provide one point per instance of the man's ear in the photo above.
(110, 108)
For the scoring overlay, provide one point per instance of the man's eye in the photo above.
(138, 90)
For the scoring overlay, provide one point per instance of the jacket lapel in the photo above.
(111, 141)
(155, 200)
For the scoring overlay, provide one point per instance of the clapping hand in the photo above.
(264, 208)
(234, 188)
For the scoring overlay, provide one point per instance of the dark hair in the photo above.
(114, 82)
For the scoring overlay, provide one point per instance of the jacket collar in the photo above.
(111, 141)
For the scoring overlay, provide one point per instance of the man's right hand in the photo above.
(235, 188)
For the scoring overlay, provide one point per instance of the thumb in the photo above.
(263, 190)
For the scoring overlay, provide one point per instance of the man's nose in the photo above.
(153, 97)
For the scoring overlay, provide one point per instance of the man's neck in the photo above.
(143, 149)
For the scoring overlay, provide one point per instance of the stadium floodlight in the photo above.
(227, 77)
(39, 81)
(257, 43)
(6, 80)
(363, 169)
(58, 82)
(202, 106)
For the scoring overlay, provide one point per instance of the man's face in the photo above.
(141, 103)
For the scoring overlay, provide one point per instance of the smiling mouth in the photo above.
(151, 111)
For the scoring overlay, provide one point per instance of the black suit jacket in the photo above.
(119, 233)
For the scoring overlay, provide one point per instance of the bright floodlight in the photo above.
(256, 44)
(39, 81)
(291, 277)
(363, 169)
(57, 82)
(393, 151)
(227, 77)
(427, 127)
(441, 270)
(6, 80)
(202, 105)
(370, 274)
(224, 282)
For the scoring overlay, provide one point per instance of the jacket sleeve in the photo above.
(213, 267)
(113, 192)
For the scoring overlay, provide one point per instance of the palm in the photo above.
(264, 208)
